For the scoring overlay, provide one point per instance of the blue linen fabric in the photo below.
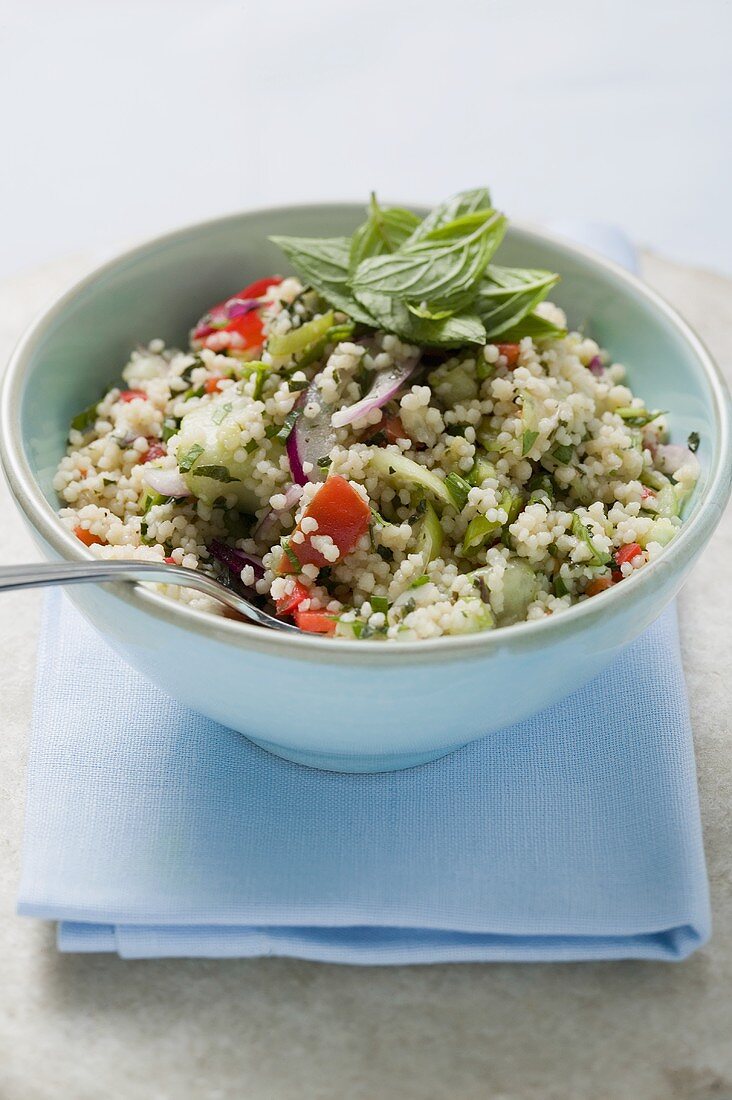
(151, 831)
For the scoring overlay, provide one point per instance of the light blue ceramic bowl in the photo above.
(348, 706)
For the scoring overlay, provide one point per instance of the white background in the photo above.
(122, 119)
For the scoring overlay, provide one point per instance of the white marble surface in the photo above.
(81, 1027)
(129, 116)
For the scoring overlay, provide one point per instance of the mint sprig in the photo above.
(430, 281)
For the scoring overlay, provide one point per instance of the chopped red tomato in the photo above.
(170, 561)
(213, 385)
(249, 327)
(155, 450)
(259, 288)
(132, 395)
(627, 553)
(341, 513)
(286, 605)
(646, 493)
(510, 353)
(88, 538)
(600, 584)
(315, 622)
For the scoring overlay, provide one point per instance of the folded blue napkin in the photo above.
(151, 831)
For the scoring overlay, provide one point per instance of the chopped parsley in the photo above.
(170, 428)
(324, 462)
(419, 581)
(292, 556)
(458, 488)
(379, 603)
(583, 533)
(638, 418)
(528, 440)
(288, 425)
(218, 473)
(186, 461)
(86, 419)
(693, 442)
(563, 453)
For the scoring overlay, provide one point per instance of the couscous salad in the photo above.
(403, 441)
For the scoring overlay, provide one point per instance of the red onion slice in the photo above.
(234, 559)
(672, 456)
(169, 483)
(311, 438)
(268, 522)
(596, 366)
(385, 385)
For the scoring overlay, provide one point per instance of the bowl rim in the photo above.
(695, 532)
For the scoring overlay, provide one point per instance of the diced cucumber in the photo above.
(481, 471)
(429, 536)
(217, 447)
(452, 384)
(404, 471)
(300, 343)
(519, 590)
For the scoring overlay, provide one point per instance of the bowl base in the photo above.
(356, 763)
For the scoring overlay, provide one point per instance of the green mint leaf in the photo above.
(535, 326)
(528, 440)
(442, 268)
(583, 533)
(379, 603)
(171, 427)
(218, 473)
(563, 453)
(452, 332)
(506, 295)
(466, 202)
(458, 488)
(186, 460)
(288, 424)
(220, 414)
(637, 417)
(86, 419)
(322, 263)
(383, 231)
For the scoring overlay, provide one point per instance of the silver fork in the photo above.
(99, 572)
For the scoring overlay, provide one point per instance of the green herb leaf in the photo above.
(583, 533)
(507, 294)
(220, 414)
(322, 263)
(324, 462)
(288, 424)
(528, 439)
(478, 530)
(292, 556)
(560, 588)
(458, 489)
(638, 418)
(451, 332)
(218, 473)
(252, 445)
(563, 453)
(535, 326)
(86, 419)
(441, 267)
(383, 231)
(465, 202)
(379, 603)
(419, 581)
(186, 460)
(171, 427)
(693, 442)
